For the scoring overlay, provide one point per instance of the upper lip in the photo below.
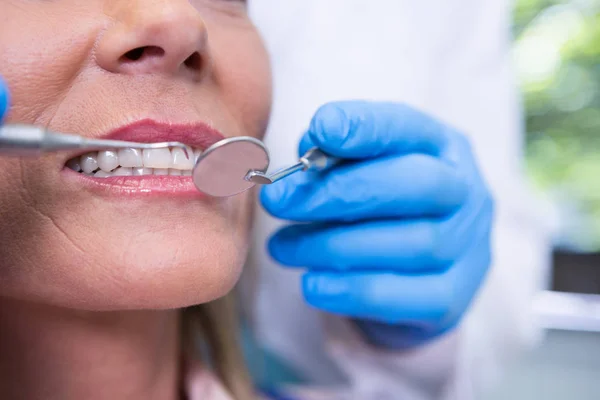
(197, 135)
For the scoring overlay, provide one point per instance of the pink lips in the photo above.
(197, 135)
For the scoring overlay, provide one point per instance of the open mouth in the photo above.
(135, 162)
(141, 172)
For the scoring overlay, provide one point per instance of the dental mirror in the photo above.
(221, 169)
(234, 165)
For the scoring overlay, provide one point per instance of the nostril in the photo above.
(134, 54)
(142, 52)
(194, 61)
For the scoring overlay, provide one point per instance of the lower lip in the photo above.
(144, 185)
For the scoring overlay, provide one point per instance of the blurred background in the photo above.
(557, 54)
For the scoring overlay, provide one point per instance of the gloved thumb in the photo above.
(362, 129)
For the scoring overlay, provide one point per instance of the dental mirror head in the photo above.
(222, 169)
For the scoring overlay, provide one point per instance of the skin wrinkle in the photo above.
(58, 228)
(48, 124)
(38, 117)
(77, 74)
(30, 201)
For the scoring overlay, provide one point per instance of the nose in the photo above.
(156, 36)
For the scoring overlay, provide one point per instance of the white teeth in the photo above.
(89, 162)
(157, 158)
(74, 164)
(102, 174)
(108, 160)
(136, 162)
(130, 158)
(142, 171)
(123, 171)
(180, 161)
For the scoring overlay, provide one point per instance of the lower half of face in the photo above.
(96, 253)
(99, 233)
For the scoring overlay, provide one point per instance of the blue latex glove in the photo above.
(3, 99)
(398, 238)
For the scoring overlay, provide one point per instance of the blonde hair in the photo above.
(218, 325)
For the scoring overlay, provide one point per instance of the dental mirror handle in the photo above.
(22, 140)
(316, 160)
(313, 160)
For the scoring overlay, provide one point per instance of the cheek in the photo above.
(242, 69)
(37, 69)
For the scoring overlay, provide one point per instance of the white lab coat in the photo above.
(451, 59)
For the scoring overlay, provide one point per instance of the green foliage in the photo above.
(557, 52)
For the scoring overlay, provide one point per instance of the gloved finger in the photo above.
(433, 300)
(414, 246)
(3, 99)
(383, 245)
(401, 335)
(421, 134)
(414, 185)
(361, 129)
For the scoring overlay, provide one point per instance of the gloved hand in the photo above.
(397, 238)
(3, 99)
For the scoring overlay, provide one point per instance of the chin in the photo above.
(149, 270)
(190, 267)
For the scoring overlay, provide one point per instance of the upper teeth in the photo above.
(166, 161)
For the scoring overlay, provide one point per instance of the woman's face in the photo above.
(140, 70)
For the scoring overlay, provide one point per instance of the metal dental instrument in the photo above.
(228, 167)
(234, 165)
(29, 140)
